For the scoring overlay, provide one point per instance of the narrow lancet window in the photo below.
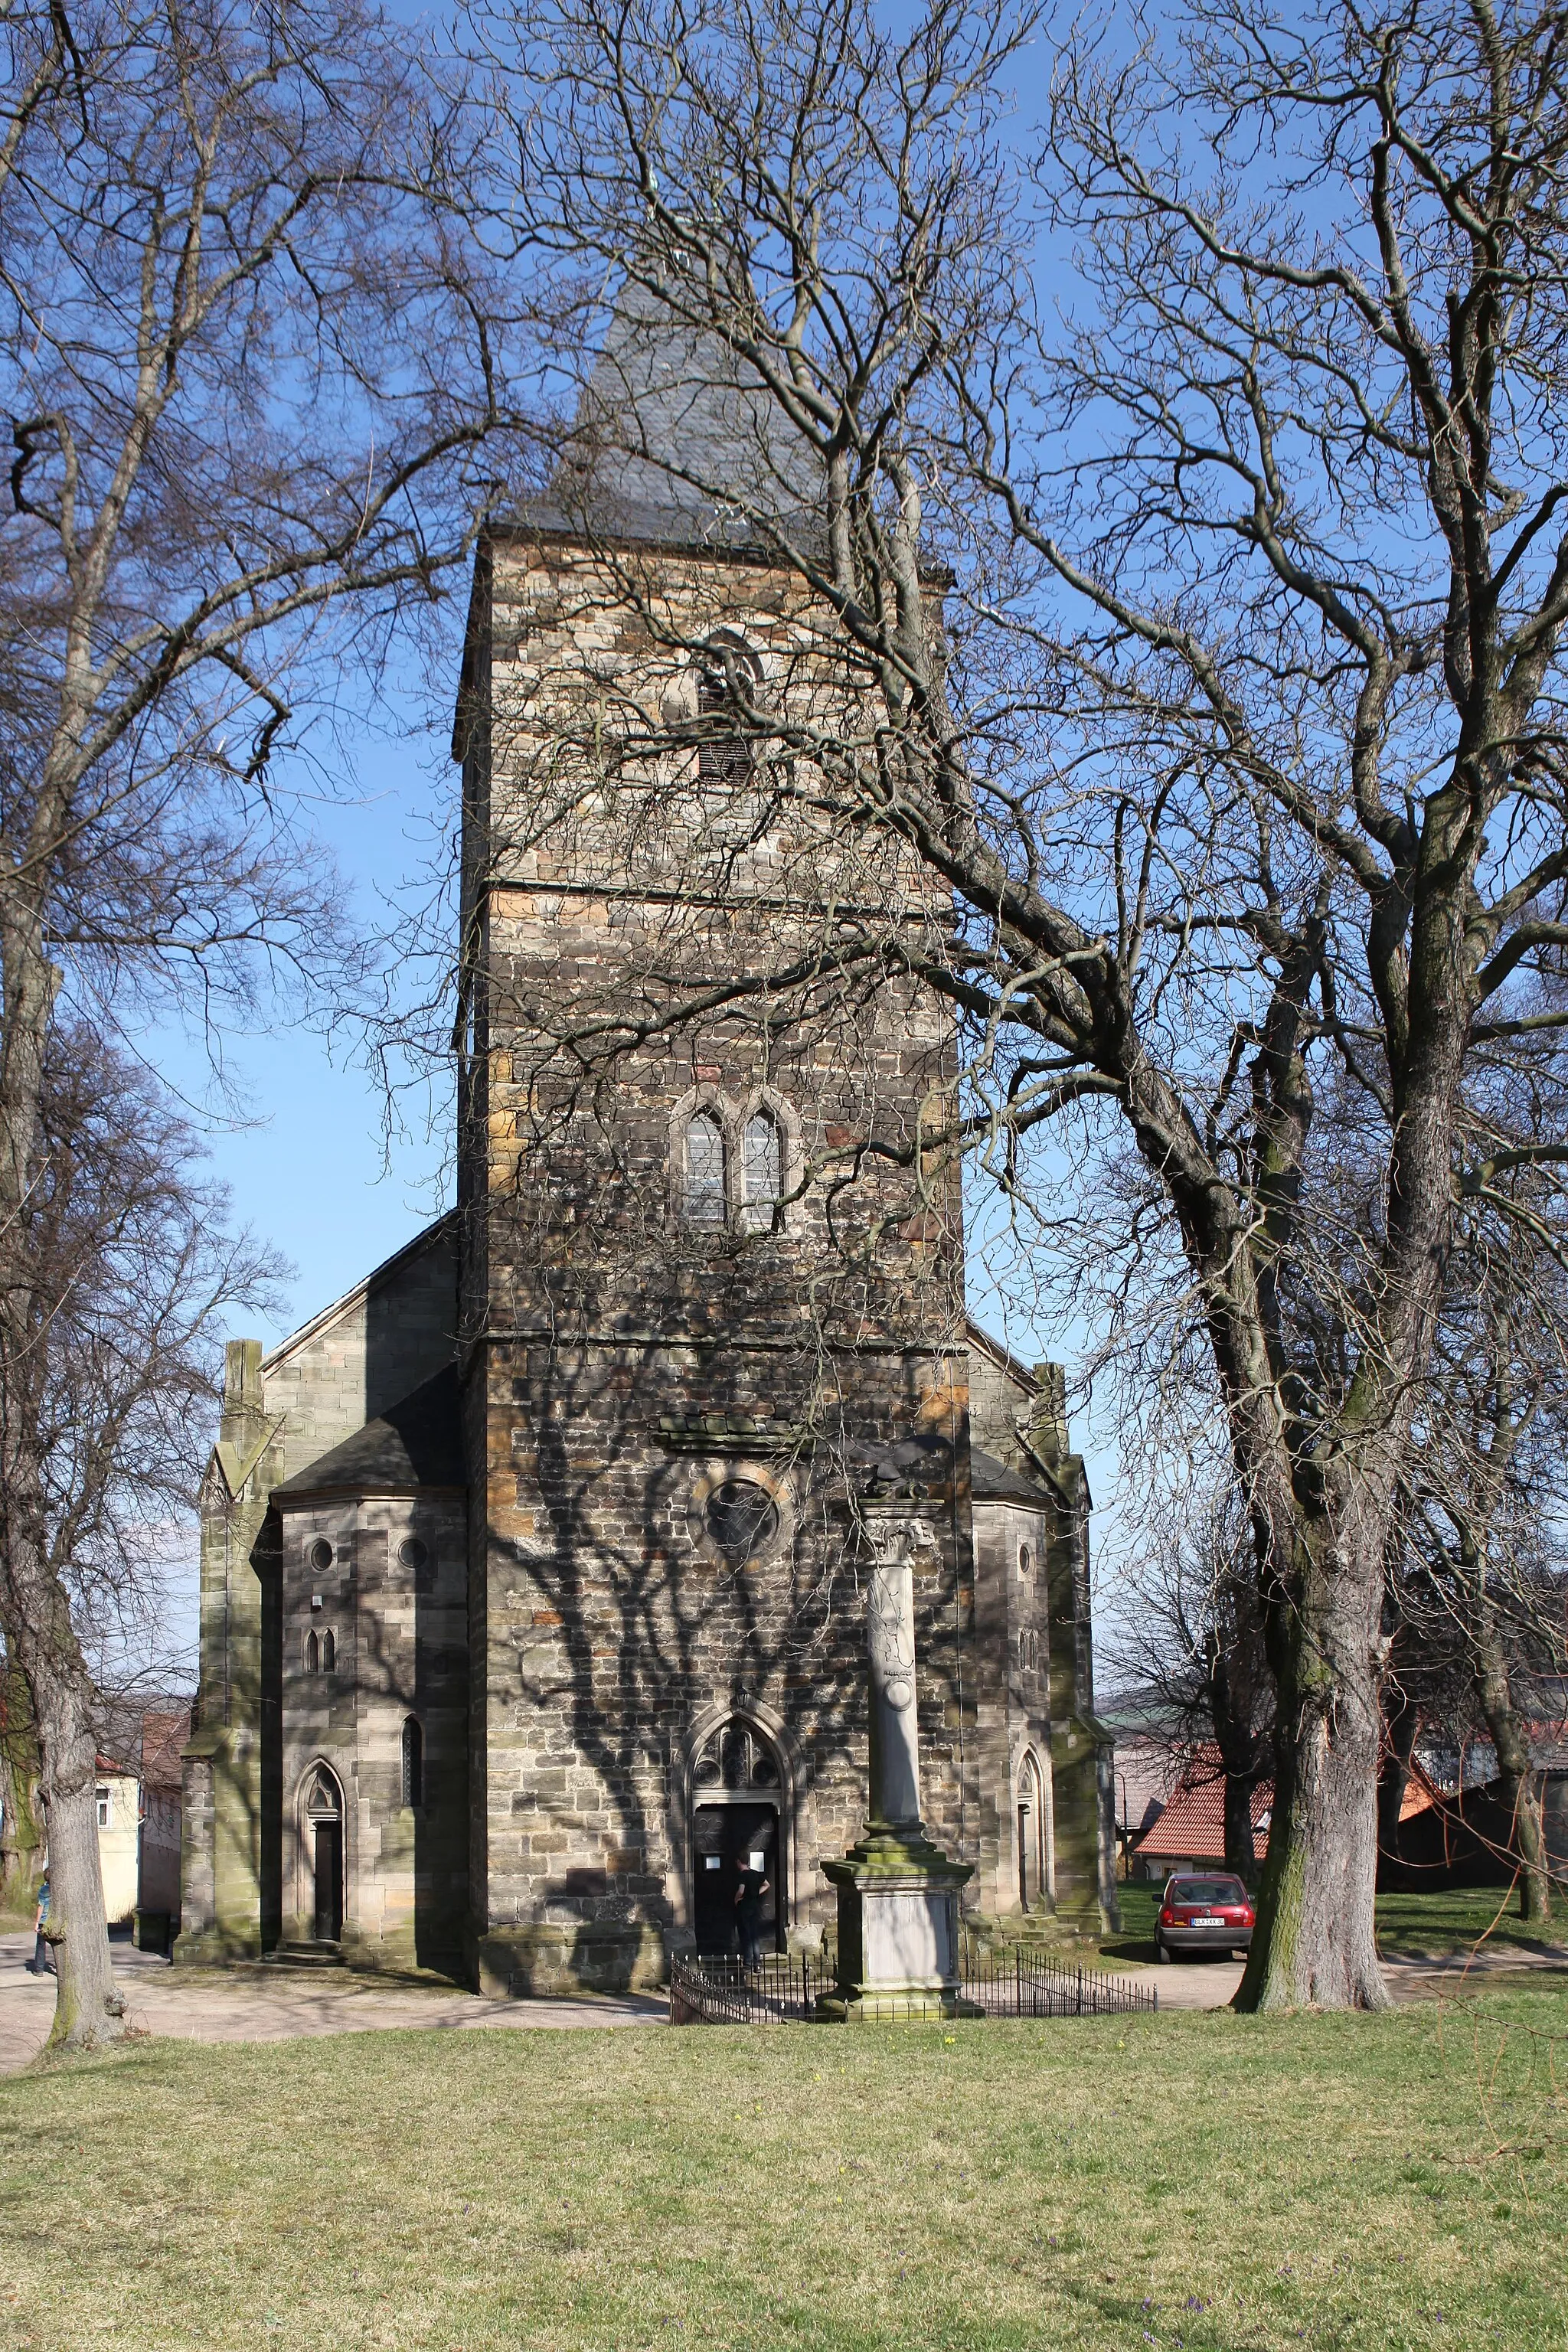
(764, 1172)
(705, 1171)
(413, 1763)
(329, 1651)
(724, 756)
(312, 1653)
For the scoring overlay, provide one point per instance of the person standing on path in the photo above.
(42, 1963)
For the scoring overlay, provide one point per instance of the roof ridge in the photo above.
(358, 1291)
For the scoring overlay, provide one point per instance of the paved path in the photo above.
(255, 2005)
(268, 2005)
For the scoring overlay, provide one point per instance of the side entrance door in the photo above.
(329, 1880)
(725, 1840)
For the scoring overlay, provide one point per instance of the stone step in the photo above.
(307, 1956)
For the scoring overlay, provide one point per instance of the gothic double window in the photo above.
(732, 1170)
(705, 1191)
(762, 1171)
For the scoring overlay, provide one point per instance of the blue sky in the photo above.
(305, 1158)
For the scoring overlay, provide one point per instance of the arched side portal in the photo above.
(321, 1850)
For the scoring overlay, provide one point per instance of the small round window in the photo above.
(412, 1552)
(320, 1553)
(743, 1519)
(1025, 1560)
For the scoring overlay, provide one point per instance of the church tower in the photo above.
(547, 1598)
(713, 1286)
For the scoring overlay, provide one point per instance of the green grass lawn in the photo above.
(1185, 2181)
(1459, 1919)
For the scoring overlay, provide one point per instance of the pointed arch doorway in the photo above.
(738, 1793)
(324, 1854)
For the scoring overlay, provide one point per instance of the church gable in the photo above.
(366, 1351)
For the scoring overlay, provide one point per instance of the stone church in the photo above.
(532, 1569)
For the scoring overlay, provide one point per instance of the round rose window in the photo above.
(743, 1519)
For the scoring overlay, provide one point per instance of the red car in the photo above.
(1211, 1914)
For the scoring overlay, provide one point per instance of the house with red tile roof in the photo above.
(1190, 1833)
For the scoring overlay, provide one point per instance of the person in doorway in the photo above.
(749, 1896)
(42, 1963)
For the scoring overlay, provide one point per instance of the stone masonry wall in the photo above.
(1016, 1635)
(377, 1345)
(222, 1831)
(385, 1575)
(614, 1636)
(617, 1636)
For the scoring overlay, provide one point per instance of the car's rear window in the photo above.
(1208, 1890)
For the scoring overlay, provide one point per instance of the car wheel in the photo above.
(1161, 1954)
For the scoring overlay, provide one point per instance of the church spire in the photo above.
(676, 438)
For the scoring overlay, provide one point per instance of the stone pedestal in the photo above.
(898, 1930)
(898, 1893)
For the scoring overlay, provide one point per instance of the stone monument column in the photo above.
(898, 1893)
(895, 1739)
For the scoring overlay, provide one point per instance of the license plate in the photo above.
(1209, 1923)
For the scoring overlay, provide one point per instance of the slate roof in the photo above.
(992, 1481)
(666, 400)
(416, 1443)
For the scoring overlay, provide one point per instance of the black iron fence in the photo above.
(785, 1990)
(780, 1990)
(1013, 1984)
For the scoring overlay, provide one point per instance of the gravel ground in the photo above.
(272, 2005)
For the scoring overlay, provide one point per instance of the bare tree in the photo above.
(1190, 1636)
(1482, 1594)
(129, 1265)
(1233, 761)
(246, 366)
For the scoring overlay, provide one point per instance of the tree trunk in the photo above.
(1518, 1782)
(1240, 1854)
(35, 1607)
(89, 2007)
(1316, 1941)
(1236, 1666)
